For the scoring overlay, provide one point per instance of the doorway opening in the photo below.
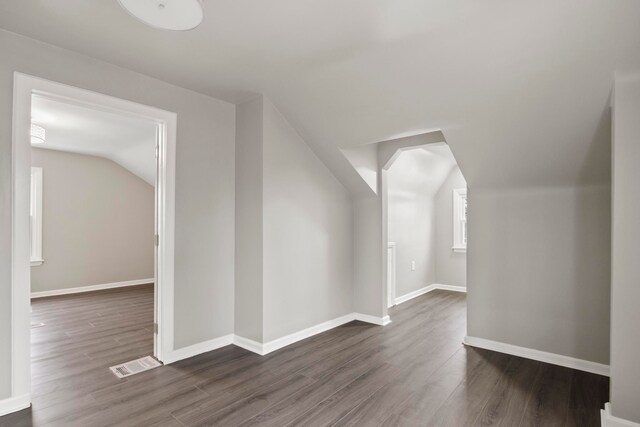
(426, 223)
(93, 225)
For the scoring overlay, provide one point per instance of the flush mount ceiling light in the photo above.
(38, 134)
(177, 15)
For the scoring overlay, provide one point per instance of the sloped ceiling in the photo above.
(128, 141)
(520, 89)
(420, 171)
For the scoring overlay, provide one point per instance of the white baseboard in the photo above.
(196, 349)
(427, 289)
(91, 288)
(414, 294)
(306, 333)
(450, 287)
(382, 321)
(608, 420)
(247, 344)
(271, 346)
(14, 404)
(541, 356)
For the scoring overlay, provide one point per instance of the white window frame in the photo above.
(459, 220)
(35, 255)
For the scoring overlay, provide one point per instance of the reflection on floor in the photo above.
(412, 372)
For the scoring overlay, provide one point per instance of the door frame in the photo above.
(391, 284)
(24, 86)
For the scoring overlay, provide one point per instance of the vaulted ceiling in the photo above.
(420, 172)
(126, 140)
(520, 89)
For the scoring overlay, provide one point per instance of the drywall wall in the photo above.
(419, 186)
(249, 225)
(411, 219)
(308, 262)
(205, 164)
(451, 267)
(539, 269)
(294, 232)
(625, 279)
(98, 222)
(412, 226)
(369, 289)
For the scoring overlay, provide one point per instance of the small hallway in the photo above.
(415, 371)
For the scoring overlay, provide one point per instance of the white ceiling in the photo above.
(420, 171)
(520, 89)
(126, 140)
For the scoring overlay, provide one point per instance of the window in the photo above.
(460, 220)
(35, 222)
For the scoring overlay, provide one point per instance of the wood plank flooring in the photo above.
(413, 372)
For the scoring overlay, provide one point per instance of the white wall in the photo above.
(539, 269)
(294, 257)
(625, 283)
(411, 220)
(369, 270)
(249, 224)
(204, 270)
(420, 185)
(98, 222)
(451, 267)
(308, 234)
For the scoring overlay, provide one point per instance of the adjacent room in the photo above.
(93, 173)
(319, 213)
(427, 226)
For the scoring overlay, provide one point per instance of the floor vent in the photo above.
(135, 367)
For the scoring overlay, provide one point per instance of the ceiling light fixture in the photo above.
(176, 15)
(38, 134)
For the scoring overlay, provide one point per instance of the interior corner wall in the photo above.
(249, 222)
(204, 272)
(451, 267)
(98, 222)
(625, 292)
(539, 269)
(412, 227)
(307, 246)
(369, 239)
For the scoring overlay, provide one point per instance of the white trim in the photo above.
(278, 343)
(427, 289)
(608, 420)
(541, 356)
(82, 289)
(35, 201)
(391, 273)
(459, 245)
(20, 240)
(14, 404)
(450, 288)
(24, 86)
(306, 333)
(199, 348)
(382, 321)
(271, 346)
(247, 344)
(414, 294)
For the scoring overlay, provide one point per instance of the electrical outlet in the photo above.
(413, 266)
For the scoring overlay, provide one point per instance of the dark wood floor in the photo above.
(412, 372)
